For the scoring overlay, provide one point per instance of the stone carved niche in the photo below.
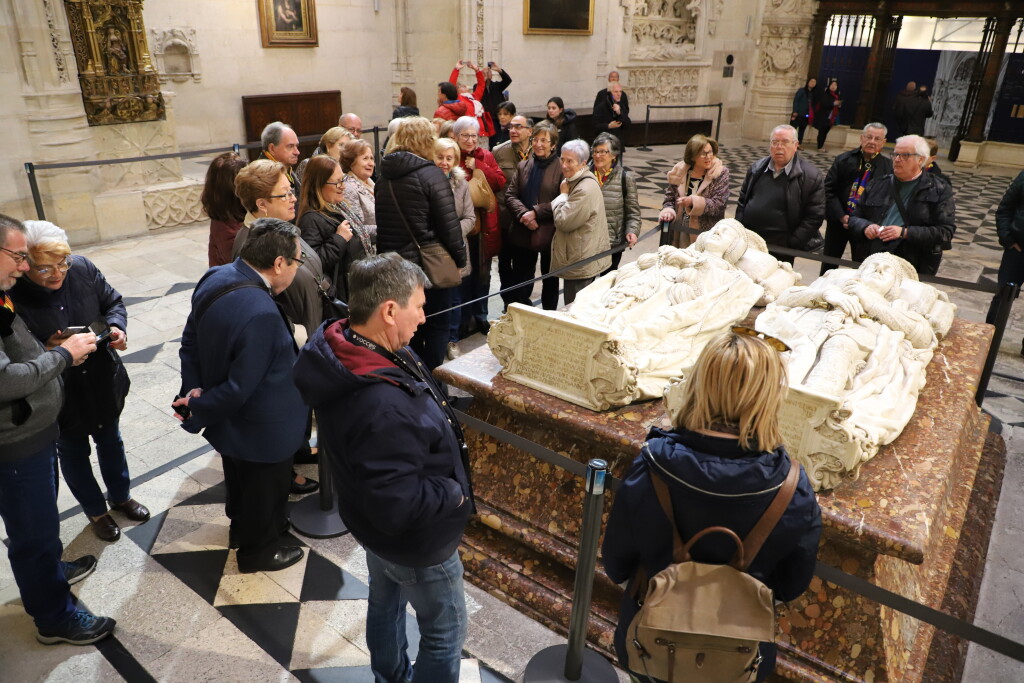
(784, 54)
(664, 85)
(119, 83)
(662, 30)
(177, 58)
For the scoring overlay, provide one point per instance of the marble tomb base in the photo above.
(917, 521)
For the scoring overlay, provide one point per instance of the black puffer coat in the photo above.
(95, 390)
(425, 198)
(1010, 214)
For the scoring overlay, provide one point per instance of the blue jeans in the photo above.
(75, 463)
(28, 506)
(436, 595)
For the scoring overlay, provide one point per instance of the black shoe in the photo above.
(310, 486)
(483, 326)
(232, 541)
(76, 570)
(106, 528)
(285, 557)
(81, 629)
(132, 509)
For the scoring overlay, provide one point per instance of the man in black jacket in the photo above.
(783, 196)
(845, 184)
(1010, 228)
(400, 464)
(909, 213)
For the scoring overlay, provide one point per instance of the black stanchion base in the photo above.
(643, 148)
(310, 519)
(548, 666)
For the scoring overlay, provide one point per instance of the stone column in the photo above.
(821, 19)
(976, 132)
(784, 54)
(401, 68)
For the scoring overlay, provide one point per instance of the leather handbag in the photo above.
(481, 193)
(435, 260)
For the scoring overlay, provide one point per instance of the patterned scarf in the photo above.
(6, 302)
(859, 185)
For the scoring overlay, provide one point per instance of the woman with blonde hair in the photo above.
(60, 292)
(416, 207)
(330, 144)
(698, 190)
(448, 157)
(722, 464)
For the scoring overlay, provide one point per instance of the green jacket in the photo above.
(621, 204)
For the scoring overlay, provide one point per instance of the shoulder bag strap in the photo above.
(401, 215)
(759, 534)
(899, 200)
(227, 290)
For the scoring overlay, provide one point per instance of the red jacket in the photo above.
(490, 234)
(486, 123)
(449, 111)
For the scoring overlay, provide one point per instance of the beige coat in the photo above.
(581, 228)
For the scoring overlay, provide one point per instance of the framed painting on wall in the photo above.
(288, 23)
(566, 17)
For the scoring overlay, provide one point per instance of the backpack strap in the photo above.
(759, 534)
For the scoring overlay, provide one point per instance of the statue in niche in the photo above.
(116, 53)
(861, 340)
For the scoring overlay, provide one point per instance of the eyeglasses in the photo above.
(300, 261)
(600, 152)
(776, 344)
(708, 153)
(62, 266)
(289, 193)
(18, 256)
(354, 131)
(899, 156)
(781, 143)
(468, 136)
(337, 184)
(517, 126)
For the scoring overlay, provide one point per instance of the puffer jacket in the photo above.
(712, 482)
(581, 228)
(403, 483)
(931, 222)
(1010, 214)
(710, 199)
(621, 204)
(425, 198)
(95, 390)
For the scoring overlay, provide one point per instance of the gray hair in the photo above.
(271, 135)
(786, 127)
(921, 147)
(38, 233)
(379, 278)
(393, 125)
(464, 123)
(8, 224)
(614, 146)
(269, 238)
(578, 149)
(878, 126)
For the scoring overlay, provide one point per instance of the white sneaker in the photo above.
(453, 351)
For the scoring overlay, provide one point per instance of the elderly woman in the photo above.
(222, 206)
(59, 293)
(564, 120)
(528, 200)
(486, 240)
(581, 224)
(618, 184)
(357, 164)
(698, 190)
(416, 207)
(331, 143)
(721, 464)
(330, 224)
(447, 157)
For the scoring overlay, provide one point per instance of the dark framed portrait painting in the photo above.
(566, 17)
(288, 23)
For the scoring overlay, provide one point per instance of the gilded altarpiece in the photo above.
(116, 73)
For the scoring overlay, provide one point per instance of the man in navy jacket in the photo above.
(237, 354)
(400, 466)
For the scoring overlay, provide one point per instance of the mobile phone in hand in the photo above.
(71, 331)
(182, 409)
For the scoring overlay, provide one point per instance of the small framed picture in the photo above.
(288, 23)
(572, 17)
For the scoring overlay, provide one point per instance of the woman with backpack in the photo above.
(722, 465)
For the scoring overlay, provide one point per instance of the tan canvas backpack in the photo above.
(701, 623)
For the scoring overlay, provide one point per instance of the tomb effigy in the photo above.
(631, 331)
(915, 521)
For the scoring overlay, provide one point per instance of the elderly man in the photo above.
(280, 143)
(352, 123)
(611, 111)
(909, 213)
(237, 353)
(31, 396)
(401, 466)
(508, 155)
(845, 184)
(581, 225)
(783, 196)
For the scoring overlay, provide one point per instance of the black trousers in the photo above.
(257, 505)
(836, 239)
(524, 267)
(823, 128)
(1011, 269)
(431, 338)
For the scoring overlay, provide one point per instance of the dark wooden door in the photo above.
(309, 113)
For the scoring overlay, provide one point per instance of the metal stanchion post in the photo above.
(236, 148)
(1006, 295)
(317, 516)
(573, 662)
(30, 169)
(647, 130)
(666, 233)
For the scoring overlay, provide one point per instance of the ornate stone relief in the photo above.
(783, 55)
(135, 141)
(166, 208)
(58, 54)
(664, 85)
(714, 14)
(791, 8)
(176, 55)
(663, 30)
(118, 80)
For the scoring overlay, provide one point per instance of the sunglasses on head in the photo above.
(776, 344)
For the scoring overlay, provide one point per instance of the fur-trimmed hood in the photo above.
(677, 176)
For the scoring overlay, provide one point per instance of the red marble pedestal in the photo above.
(916, 522)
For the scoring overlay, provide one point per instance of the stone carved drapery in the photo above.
(176, 54)
(118, 80)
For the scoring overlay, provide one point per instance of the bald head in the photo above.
(352, 124)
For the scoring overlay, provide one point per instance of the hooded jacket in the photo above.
(426, 201)
(402, 480)
(712, 482)
(567, 131)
